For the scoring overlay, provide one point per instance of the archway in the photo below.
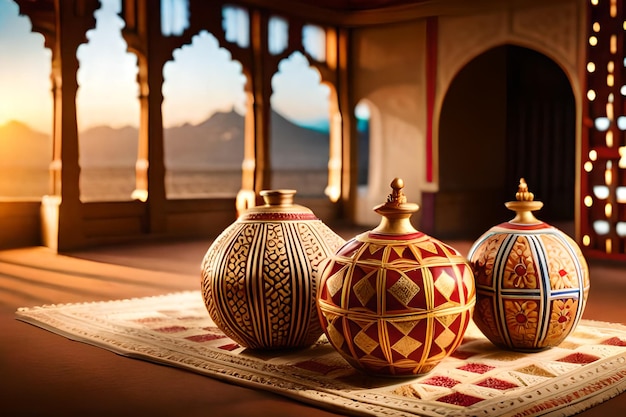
(508, 114)
(299, 145)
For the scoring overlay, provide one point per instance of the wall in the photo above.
(19, 224)
(388, 72)
(554, 29)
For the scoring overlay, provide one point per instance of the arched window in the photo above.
(203, 118)
(107, 110)
(174, 17)
(371, 186)
(25, 107)
(299, 138)
(362, 113)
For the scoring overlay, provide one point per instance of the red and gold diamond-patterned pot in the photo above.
(394, 301)
(532, 280)
(259, 280)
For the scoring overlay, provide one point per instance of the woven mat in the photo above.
(479, 380)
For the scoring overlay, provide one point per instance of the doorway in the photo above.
(508, 114)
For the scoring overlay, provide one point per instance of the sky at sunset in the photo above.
(200, 80)
(24, 71)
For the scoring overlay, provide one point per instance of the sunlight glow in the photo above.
(236, 25)
(174, 17)
(201, 80)
(277, 35)
(25, 88)
(108, 89)
(362, 111)
(298, 94)
(107, 76)
(314, 42)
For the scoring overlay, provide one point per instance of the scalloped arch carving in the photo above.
(550, 30)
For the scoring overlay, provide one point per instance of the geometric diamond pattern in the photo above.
(446, 338)
(445, 284)
(429, 247)
(405, 327)
(334, 284)
(495, 383)
(406, 346)
(398, 303)
(334, 334)
(404, 290)
(365, 343)
(460, 399)
(364, 291)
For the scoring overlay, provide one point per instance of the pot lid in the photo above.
(524, 205)
(278, 205)
(396, 212)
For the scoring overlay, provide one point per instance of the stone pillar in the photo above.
(256, 166)
(63, 25)
(143, 36)
(346, 105)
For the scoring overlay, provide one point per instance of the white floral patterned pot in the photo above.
(532, 280)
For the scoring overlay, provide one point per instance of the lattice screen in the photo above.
(603, 179)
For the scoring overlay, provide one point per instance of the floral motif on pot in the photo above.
(532, 281)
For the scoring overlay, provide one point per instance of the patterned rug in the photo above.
(479, 380)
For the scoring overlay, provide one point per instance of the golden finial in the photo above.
(396, 212)
(397, 195)
(525, 205)
(522, 192)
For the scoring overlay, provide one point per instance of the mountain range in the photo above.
(215, 143)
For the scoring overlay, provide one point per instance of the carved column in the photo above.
(63, 25)
(256, 166)
(346, 104)
(143, 36)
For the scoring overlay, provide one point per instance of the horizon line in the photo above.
(320, 125)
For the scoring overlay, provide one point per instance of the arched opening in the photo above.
(299, 148)
(203, 119)
(362, 113)
(370, 145)
(508, 114)
(25, 107)
(107, 110)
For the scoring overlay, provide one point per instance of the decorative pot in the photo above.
(532, 280)
(394, 301)
(259, 280)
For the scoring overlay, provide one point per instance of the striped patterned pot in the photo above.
(532, 280)
(394, 301)
(259, 280)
